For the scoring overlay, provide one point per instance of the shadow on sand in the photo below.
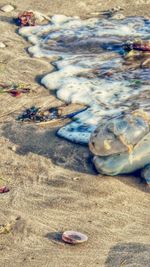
(44, 142)
(129, 255)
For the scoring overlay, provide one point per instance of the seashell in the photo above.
(2, 45)
(4, 189)
(7, 8)
(73, 237)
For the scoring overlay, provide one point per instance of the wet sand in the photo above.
(53, 186)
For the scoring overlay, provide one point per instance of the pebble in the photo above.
(18, 218)
(13, 148)
(7, 8)
(75, 178)
(2, 45)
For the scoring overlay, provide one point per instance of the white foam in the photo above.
(84, 50)
(60, 19)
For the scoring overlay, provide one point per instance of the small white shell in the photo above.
(7, 8)
(2, 45)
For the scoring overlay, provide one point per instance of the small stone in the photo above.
(7, 8)
(2, 45)
(75, 178)
(18, 218)
(13, 148)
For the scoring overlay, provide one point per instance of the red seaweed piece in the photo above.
(141, 46)
(3, 85)
(26, 19)
(14, 93)
(4, 189)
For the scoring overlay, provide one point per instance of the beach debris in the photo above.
(27, 18)
(139, 45)
(30, 18)
(137, 59)
(14, 89)
(75, 178)
(2, 45)
(4, 189)
(7, 8)
(146, 63)
(134, 55)
(18, 218)
(72, 237)
(5, 228)
(110, 13)
(36, 114)
(72, 114)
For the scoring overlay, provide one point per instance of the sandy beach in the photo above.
(53, 185)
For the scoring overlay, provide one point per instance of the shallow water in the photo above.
(92, 68)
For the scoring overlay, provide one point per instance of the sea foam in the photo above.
(90, 67)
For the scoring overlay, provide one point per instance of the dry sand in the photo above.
(53, 186)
